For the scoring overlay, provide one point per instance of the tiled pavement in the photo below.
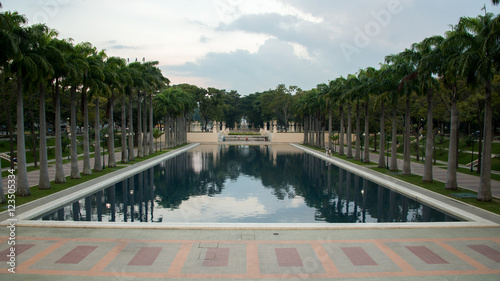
(441, 254)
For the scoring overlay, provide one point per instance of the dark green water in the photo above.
(247, 184)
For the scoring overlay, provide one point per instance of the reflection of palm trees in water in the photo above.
(335, 194)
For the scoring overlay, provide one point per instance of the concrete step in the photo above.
(245, 138)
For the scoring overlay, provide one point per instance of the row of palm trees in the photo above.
(175, 104)
(35, 60)
(469, 52)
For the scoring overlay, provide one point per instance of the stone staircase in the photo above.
(245, 138)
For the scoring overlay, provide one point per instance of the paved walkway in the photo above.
(373, 254)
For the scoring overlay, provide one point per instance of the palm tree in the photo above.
(61, 72)
(100, 89)
(367, 79)
(157, 82)
(327, 94)
(349, 95)
(430, 62)
(451, 75)
(479, 38)
(75, 67)
(135, 69)
(20, 60)
(53, 55)
(339, 88)
(92, 77)
(174, 103)
(126, 73)
(390, 84)
(384, 86)
(115, 82)
(405, 65)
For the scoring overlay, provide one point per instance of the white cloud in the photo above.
(246, 45)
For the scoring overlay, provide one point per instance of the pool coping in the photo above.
(474, 218)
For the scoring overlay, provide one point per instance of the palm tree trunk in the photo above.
(381, 158)
(428, 177)
(349, 130)
(124, 131)
(357, 154)
(97, 132)
(44, 180)
(140, 148)
(167, 131)
(318, 130)
(406, 154)
(394, 145)
(86, 142)
(341, 131)
(111, 133)
(305, 130)
(2, 194)
(145, 127)
(75, 173)
(151, 151)
(131, 152)
(22, 184)
(60, 177)
(330, 140)
(484, 192)
(366, 158)
(480, 142)
(451, 174)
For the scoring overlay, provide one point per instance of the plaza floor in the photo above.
(373, 254)
(390, 253)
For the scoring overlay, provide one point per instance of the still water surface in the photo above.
(246, 184)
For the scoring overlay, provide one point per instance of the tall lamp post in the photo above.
(387, 151)
(104, 152)
(472, 153)
(69, 145)
(362, 138)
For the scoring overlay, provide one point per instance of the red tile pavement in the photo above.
(216, 257)
(20, 248)
(288, 257)
(426, 255)
(77, 254)
(146, 256)
(358, 256)
(486, 251)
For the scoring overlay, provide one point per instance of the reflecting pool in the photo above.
(246, 184)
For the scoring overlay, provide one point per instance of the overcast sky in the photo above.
(250, 45)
